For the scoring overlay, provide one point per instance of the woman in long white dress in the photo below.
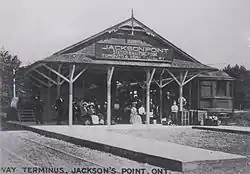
(134, 117)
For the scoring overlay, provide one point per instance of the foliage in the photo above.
(242, 85)
(8, 62)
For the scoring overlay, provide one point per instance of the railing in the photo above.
(192, 117)
(26, 115)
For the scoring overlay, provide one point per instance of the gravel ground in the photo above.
(31, 154)
(211, 140)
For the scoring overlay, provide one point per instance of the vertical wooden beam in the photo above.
(190, 95)
(198, 94)
(70, 103)
(58, 86)
(83, 88)
(228, 88)
(49, 97)
(233, 96)
(161, 98)
(109, 79)
(148, 96)
(72, 70)
(181, 91)
(214, 91)
(143, 95)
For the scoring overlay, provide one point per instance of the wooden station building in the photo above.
(124, 54)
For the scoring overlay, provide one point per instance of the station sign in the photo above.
(132, 52)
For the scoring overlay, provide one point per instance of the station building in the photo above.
(124, 60)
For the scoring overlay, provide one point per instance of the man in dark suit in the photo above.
(59, 109)
(38, 108)
(167, 106)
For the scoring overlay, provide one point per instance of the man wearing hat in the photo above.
(167, 104)
(84, 113)
(76, 110)
(59, 109)
(38, 107)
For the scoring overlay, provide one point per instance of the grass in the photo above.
(240, 119)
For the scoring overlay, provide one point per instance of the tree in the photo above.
(242, 85)
(8, 62)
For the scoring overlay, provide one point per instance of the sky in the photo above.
(215, 32)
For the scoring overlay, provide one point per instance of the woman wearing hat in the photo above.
(92, 114)
(134, 117)
(84, 113)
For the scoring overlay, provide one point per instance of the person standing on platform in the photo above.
(134, 117)
(76, 111)
(38, 110)
(142, 112)
(59, 109)
(174, 110)
(116, 114)
(167, 104)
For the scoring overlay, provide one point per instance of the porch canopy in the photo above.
(128, 51)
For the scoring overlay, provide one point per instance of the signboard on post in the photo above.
(132, 52)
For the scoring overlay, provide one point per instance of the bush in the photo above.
(241, 119)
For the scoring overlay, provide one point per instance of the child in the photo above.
(174, 111)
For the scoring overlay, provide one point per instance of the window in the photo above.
(206, 89)
(221, 88)
(230, 89)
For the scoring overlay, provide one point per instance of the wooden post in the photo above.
(109, 79)
(83, 88)
(49, 97)
(72, 71)
(181, 91)
(190, 95)
(148, 97)
(198, 94)
(70, 103)
(233, 97)
(58, 86)
(143, 95)
(161, 98)
(228, 88)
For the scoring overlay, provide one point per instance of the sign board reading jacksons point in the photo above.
(131, 52)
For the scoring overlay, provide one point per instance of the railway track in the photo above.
(20, 159)
(98, 164)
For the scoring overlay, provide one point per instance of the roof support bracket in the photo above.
(177, 81)
(151, 76)
(45, 76)
(54, 71)
(71, 74)
(191, 78)
(80, 73)
(111, 74)
(37, 85)
(163, 85)
(40, 81)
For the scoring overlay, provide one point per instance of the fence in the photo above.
(192, 117)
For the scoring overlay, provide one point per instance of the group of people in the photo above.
(84, 112)
(93, 113)
(171, 108)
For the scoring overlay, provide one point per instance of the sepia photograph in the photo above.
(125, 87)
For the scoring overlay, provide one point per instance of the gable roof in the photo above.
(217, 75)
(82, 58)
(71, 55)
(135, 25)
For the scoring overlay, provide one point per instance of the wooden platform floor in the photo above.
(163, 154)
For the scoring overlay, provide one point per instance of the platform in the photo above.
(229, 129)
(163, 154)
